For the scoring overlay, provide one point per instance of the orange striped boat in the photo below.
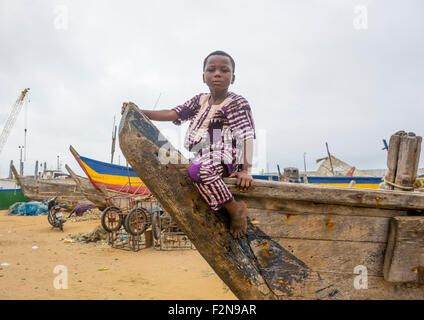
(111, 176)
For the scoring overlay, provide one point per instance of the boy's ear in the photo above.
(234, 78)
(203, 76)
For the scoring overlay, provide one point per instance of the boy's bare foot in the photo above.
(238, 215)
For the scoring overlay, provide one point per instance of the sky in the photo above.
(349, 73)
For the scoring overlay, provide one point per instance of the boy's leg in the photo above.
(207, 177)
(238, 214)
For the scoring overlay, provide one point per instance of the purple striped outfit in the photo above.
(216, 136)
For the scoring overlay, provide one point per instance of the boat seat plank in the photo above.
(281, 224)
(303, 207)
(377, 198)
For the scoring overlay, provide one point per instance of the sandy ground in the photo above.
(146, 274)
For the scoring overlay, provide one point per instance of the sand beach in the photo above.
(30, 250)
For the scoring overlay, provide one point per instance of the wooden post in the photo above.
(417, 157)
(407, 161)
(392, 158)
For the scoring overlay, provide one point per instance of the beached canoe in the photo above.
(111, 176)
(96, 196)
(303, 241)
(43, 189)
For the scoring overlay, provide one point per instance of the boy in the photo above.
(220, 134)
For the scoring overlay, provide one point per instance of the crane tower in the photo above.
(16, 108)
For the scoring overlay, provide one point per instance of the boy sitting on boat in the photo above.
(220, 135)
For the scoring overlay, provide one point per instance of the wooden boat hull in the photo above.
(303, 241)
(96, 196)
(42, 190)
(111, 176)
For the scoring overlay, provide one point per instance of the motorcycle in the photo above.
(54, 214)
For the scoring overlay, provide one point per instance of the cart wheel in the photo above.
(136, 221)
(156, 225)
(111, 219)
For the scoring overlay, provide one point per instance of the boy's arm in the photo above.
(244, 177)
(160, 115)
(247, 156)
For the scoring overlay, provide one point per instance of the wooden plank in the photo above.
(342, 287)
(315, 208)
(337, 256)
(280, 224)
(333, 195)
(404, 260)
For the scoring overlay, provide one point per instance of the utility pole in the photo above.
(36, 170)
(10, 170)
(21, 164)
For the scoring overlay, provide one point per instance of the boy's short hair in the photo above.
(219, 53)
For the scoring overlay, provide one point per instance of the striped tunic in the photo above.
(215, 136)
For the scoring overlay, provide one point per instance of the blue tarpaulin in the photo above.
(32, 208)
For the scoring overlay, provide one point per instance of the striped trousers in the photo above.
(207, 176)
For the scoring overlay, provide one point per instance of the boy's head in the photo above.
(218, 70)
(220, 53)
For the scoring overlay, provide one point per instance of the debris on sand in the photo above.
(90, 214)
(98, 234)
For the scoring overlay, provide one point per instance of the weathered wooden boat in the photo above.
(302, 242)
(111, 176)
(98, 197)
(10, 193)
(41, 190)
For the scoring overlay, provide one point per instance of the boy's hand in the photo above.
(124, 106)
(244, 180)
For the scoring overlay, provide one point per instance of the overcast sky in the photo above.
(349, 73)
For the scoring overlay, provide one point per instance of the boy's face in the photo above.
(218, 73)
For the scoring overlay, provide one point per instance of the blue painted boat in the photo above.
(338, 181)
